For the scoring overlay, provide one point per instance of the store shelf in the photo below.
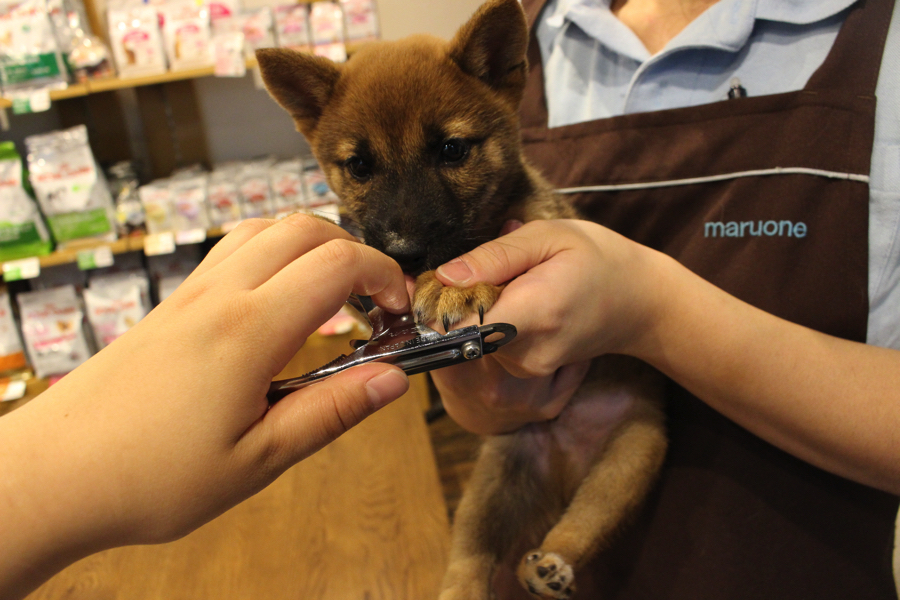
(134, 243)
(118, 83)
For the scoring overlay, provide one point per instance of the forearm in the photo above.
(46, 520)
(831, 402)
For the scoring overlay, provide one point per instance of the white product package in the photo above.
(189, 200)
(292, 27)
(361, 20)
(159, 209)
(286, 179)
(52, 326)
(256, 193)
(257, 26)
(136, 40)
(70, 188)
(326, 24)
(29, 54)
(223, 197)
(115, 304)
(186, 34)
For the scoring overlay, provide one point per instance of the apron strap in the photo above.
(854, 61)
(533, 110)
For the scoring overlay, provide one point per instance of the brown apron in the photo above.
(734, 517)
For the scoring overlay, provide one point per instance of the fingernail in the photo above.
(510, 226)
(455, 271)
(387, 387)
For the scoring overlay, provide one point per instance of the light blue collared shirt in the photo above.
(596, 67)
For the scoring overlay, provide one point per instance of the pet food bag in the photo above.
(115, 304)
(186, 34)
(123, 185)
(292, 27)
(71, 190)
(189, 202)
(223, 197)
(159, 209)
(360, 20)
(326, 23)
(257, 26)
(256, 193)
(136, 40)
(286, 180)
(22, 231)
(85, 54)
(12, 353)
(29, 55)
(222, 9)
(52, 326)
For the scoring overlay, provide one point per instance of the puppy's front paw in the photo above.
(449, 305)
(546, 576)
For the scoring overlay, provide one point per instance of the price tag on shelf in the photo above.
(95, 258)
(190, 236)
(159, 243)
(25, 268)
(31, 101)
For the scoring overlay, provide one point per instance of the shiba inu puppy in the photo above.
(420, 140)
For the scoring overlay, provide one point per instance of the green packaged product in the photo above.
(70, 189)
(22, 231)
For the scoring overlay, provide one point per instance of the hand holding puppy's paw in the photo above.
(433, 301)
(546, 576)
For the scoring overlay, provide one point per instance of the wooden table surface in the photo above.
(362, 519)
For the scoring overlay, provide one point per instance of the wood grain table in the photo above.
(364, 519)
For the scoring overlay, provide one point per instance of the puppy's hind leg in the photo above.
(500, 502)
(614, 487)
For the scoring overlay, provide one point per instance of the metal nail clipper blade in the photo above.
(398, 340)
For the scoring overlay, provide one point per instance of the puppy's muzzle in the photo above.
(410, 255)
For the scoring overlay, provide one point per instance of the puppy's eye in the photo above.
(359, 168)
(454, 150)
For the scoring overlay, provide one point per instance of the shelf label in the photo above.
(190, 236)
(159, 243)
(95, 258)
(26, 268)
(31, 102)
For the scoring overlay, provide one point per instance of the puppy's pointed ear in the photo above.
(301, 83)
(492, 46)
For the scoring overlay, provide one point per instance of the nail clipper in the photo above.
(399, 340)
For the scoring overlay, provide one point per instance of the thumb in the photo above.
(309, 419)
(500, 260)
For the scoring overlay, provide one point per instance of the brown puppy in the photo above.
(420, 140)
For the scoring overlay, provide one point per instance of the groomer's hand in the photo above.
(169, 426)
(576, 290)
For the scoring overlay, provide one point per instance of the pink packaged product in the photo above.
(135, 39)
(292, 27)
(186, 34)
(224, 197)
(256, 193)
(286, 179)
(256, 25)
(326, 23)
(189, 200)
(115, 304)
(222, 9)
(52, 326)
(360, 20)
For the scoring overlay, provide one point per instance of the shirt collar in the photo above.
(726, 25)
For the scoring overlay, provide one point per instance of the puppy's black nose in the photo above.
(411, 256)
